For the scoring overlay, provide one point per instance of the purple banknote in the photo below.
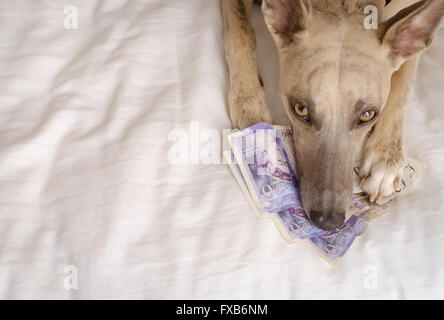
(335, 243)
(263, 160)
(297, 225)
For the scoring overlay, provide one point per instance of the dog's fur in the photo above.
(338, 69)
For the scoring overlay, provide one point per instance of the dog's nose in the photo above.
(327, 220)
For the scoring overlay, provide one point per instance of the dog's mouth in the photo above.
(326, 206)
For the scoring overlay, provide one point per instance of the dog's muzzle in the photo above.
(327, 220)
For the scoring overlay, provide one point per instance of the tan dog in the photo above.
(345, 88)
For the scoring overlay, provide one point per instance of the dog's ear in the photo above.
(285, 18)
(411, 30)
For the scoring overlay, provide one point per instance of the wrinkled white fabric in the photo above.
(87, 188)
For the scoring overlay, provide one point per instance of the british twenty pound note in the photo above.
(260, 154)
(296, 225)
(287, 138)
(229, 158)
(285, 208)
(334, 244)
(291, 221)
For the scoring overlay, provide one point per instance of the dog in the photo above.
(345, 88)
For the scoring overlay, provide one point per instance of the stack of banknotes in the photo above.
(262, 161)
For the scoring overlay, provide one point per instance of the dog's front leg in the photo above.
(384, 153)
(246, 98)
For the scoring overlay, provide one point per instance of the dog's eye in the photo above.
(367, 116)
(301, 111)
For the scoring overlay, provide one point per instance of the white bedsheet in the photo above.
(86, 187)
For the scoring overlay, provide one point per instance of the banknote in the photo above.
(291, 220)
(287, 138)
(334, 244)
(229, 158)
(262, 159)
(296, 225)
(263, 163)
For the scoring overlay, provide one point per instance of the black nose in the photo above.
(327, 220)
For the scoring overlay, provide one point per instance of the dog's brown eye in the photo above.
(301, 111)
(367, 116)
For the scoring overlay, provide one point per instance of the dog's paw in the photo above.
(248, 108)
(380, 173)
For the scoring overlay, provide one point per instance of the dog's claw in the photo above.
(396, 182)
(374, 197)
(378, 198)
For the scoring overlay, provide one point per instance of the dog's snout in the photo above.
(327, 220)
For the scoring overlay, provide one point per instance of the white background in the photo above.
(85, 179)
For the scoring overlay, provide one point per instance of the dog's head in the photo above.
(335, 79)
